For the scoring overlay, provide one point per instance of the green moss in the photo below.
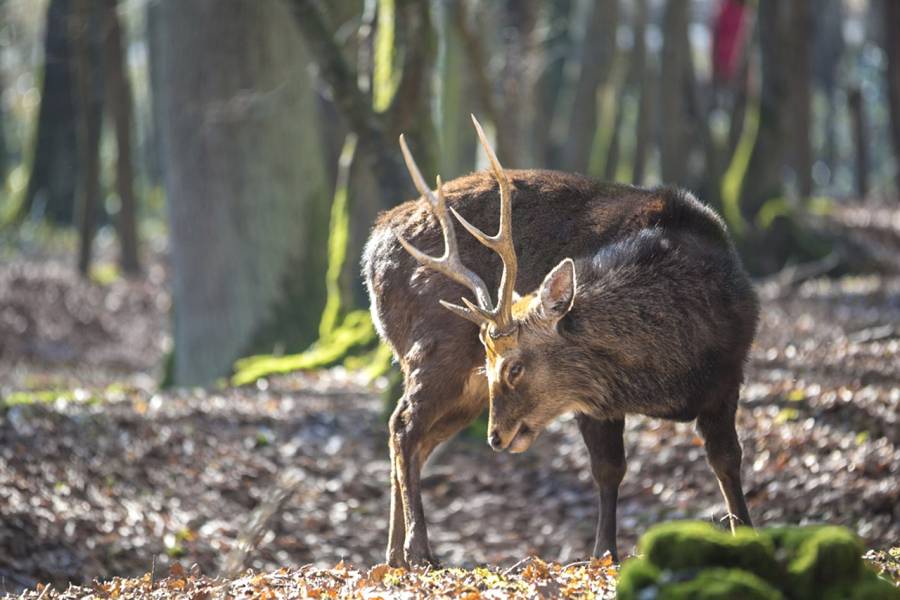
(787, 540)
(356, 333)
(336, 300)
(830, 555)
(694, 545)
(772, 209)
(870, 587)
(718, 583)
(168, 372)
(385, 74)
(104, 274)
(733, 180)
(637, 574)
(49, 396)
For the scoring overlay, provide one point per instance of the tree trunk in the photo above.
(828, 48)
(452, 116)
(596, 60)
(151, 151)
(551, 81)
(388, 170)
(410, 110)
(4, 151)
(478, 65)
(244, 180)
(89, 101)
(676, 125)
(892, 49)
(798, 45)
(118, 94)
(644, 80)
(518, 79)
(51, 183)
(763, 179)
(860, 140)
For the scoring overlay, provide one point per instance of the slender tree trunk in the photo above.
(596, 60)
(676, 125)
(4, 150)
(453, 102)
(763, 179)
(891, 10)
(799, 44)
(52, 179)
(860, 140)
(410, 111)
(740, 92)
(614, 151)
(828, 48)
(518, 80)
(556, 47)
(118, 93)
(89, 93)
(151, 152)
(644, 80)
(244, 180)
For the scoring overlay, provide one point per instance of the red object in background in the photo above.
(729, 30)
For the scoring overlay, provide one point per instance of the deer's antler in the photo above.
(499, 316)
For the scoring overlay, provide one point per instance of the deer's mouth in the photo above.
(522, 440)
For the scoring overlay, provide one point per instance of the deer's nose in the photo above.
(494, 440)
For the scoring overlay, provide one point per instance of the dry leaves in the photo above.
(105, 480)
(593, 579)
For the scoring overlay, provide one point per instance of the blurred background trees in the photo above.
(236, 113)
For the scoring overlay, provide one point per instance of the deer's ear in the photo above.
(558, 290)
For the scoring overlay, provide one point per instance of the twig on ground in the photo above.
(872, 334)
(44, 592)
(792, 275)
(522, 562)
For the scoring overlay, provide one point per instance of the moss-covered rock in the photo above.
(695, 545)
(696, 560)
(637, 574)
(829, 556)
(717, 582)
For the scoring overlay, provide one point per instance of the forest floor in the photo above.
(103, 475)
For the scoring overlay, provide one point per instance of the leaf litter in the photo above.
(110, 487)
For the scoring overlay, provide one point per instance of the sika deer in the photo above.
(638, 303)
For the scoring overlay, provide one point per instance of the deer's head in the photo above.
(519, 334)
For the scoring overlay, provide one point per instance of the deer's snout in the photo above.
(495, 441)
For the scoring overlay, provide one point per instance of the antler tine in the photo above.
(415, 174)
(476, 316)
(449, 262)
(502, 243)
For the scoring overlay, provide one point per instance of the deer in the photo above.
(611, 300)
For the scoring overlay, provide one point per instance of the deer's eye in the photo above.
(515, 371)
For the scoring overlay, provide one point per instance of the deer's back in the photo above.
(555, 215)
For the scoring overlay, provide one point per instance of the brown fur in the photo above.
(661, 323)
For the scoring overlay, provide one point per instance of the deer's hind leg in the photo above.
(430, 412)
(723, 452)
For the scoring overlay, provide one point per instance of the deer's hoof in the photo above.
(397, 560)
(419, 557)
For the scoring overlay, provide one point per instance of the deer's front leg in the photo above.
(407, 429)
(606, 446)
